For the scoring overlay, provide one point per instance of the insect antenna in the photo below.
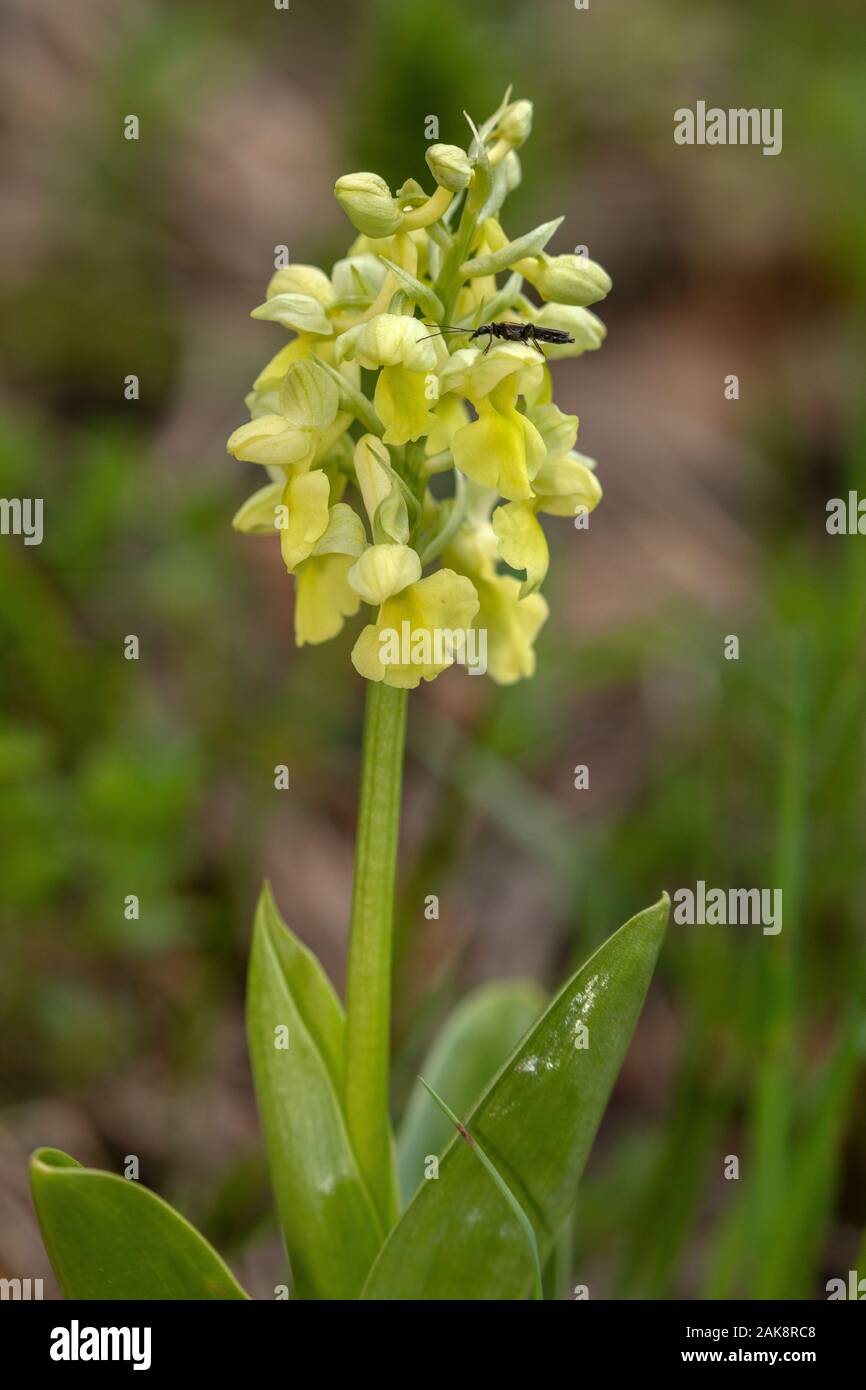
(446, 328)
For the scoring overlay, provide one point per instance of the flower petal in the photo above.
(562, 485)
(271, 440)
(522, 542)
(323, 599)
(309, 398)
(301, 312)
(306, 516)
(402, 404)
(258, 515)
(410, 641)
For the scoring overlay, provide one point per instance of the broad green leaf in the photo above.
(110, 1238)
(501, 1185)
(466, 1054)
(296, 1035)
(536, 1122)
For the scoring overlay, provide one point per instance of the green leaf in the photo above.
(536, 1122)
(466, 1054)
(513, 251)
(497, 1178)
(331, 1228)
(110, 1238)
(422, 294)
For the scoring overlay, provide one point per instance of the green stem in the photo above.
(368, 987)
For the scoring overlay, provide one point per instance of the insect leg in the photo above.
(537, 345)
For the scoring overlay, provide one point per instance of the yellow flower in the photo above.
(402, 397)
(450, 415)
(412, 637)
(474, 372)
(511, 623)
(563, 485)
(502, 449)
(522, 542)
(485, 410)
(567, 485)
(271, 376)
(324, 597)
(558, 430)
(272, 441)
(304, 518)
(304, 428)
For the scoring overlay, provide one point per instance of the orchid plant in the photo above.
(408, 462)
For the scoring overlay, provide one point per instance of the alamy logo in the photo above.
(20, 1290)
(22, 516)
(854, 1288)
(738, 126)
(77, 1343)
(438, 646)
(738, 907)
(846, 517)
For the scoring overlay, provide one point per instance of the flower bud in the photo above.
(384, 570)
(309, 399)
(568, 279)
(587, 331)
(367, 202)
(515, 123)
(358, 277)
(512, 171)
(389, 340)
(449, 166)
(377, 483)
